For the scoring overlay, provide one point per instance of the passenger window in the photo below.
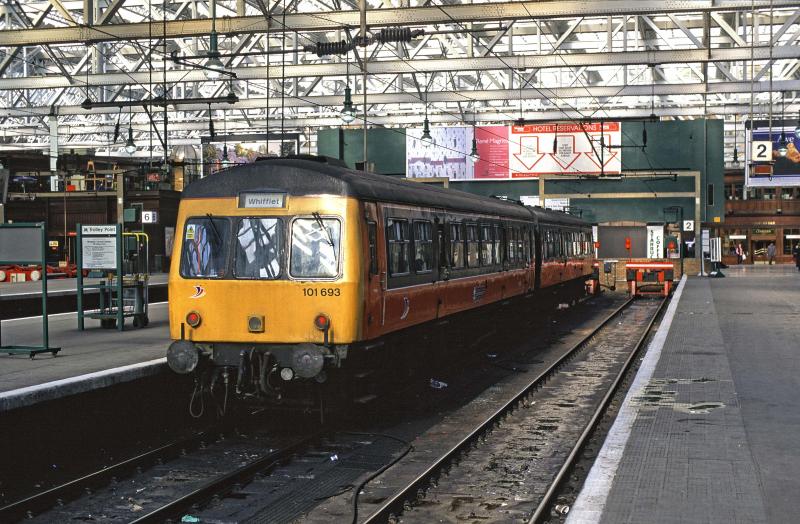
(315, 247)
(487, 245)
(372, 238)
(205, 248)
(456, 246)
(512, 241)
(520, 245)
(473, 246)
(498, 245)
(423, 247)
(259, 248)
(398, 239)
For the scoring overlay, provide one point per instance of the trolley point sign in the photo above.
(516, 152)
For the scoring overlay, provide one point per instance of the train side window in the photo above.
(473, 246)
(372, 238)
(498, 245)
(527, 244)
(511, 241)
(519, 232)
(457, 245)
(487, 245)
(398, 239)
(423, 247)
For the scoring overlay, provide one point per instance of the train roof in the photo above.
(319, 175)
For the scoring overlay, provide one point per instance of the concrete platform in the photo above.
(709, 429)
(59, 286)
(88, 360)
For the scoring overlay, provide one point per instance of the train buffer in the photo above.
(649, 278)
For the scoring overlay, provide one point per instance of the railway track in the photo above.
(512, 465)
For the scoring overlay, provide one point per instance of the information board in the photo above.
(655, 241)
(21, 244)
(99, 247)
(764, 144)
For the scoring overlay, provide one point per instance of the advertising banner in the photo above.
(655, 241)
(515, 152)
(568, 148)
(446, 154)
(763, 144)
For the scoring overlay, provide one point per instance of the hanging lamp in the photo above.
(130, 145)
(348, 111)
(214, 67)
(783, 144)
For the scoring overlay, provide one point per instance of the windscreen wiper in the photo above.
(318, 218)
(214, 227)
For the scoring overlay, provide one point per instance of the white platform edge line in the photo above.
(77, 384)
(591, 501)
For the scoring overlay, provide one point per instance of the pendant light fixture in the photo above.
(735, 139)
(130, 145)
(225, 159)
(348, 111)
(214, 67)
(426, 125)
(783, 144)
(474, 153)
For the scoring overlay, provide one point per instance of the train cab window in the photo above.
(372, 238)
(487, 245)
(423, 247)
(398, 238)
(498, 245)
(258, 250)
(457, 246)
(473, 246)
(205, 247)
(315, 247)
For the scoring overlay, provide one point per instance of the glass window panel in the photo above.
(205, 248)
(259, 248)
(487, 245)
(372, 238)
(473, 246)
(423, 247)
(315, 247)
(456, 246)
(397, 234)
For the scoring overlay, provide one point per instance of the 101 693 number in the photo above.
(323, 292)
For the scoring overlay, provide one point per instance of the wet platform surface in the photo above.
(709, 430)
(88, 359)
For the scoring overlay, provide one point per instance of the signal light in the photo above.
(193, 318)
(628, 243)
(322, 322)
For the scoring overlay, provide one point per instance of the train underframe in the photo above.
(302, 375)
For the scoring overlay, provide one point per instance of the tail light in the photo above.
(322, 322)
(193, 318)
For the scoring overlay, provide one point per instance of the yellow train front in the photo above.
(285, 269)
(265, 278)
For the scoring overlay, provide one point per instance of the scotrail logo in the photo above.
(199, 292)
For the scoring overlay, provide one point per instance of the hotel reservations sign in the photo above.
(516, 152)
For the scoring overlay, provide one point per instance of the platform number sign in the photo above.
(761, 151)
(149, 217)
(688, 225)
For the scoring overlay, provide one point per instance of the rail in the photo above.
(409, 492)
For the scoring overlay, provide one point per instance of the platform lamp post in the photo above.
(678, 210)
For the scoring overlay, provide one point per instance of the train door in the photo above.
(375, 246)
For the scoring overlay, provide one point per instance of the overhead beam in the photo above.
(387, 67)
(410, 16)
(334, 101)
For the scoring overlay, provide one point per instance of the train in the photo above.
(288, 271)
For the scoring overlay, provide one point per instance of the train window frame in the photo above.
(472, 240)
(486, 241)
(454, 242)
(404, 242)
(281, 229)
(226, 243)
(497, 252)
(372, 246)
(428, 241)
(338, 251)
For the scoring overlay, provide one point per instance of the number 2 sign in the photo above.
(761, 151)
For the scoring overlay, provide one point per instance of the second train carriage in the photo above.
(287, 268)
